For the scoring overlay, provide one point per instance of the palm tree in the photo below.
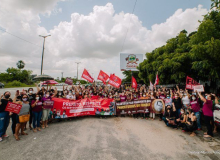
(20, 64)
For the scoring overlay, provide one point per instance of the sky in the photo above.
(89, 31)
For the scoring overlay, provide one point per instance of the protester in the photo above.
(4, 115)
(31, 97)
(208, 114)
(37, 106)
(23, 112)
(191, 124)
(194, 104)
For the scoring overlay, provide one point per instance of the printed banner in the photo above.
(190, 83)
(48, 104)
(69, 81)
(133, 107)
(64, 108)
(13, 107)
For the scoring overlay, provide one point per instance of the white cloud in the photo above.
(95, 39)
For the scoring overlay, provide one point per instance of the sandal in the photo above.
(35, 130)
(5, 136)
(39, 129)
(47, 126)
(1, 139)
(43, 127)
(17, 138)
(23, 133)
(205, 133)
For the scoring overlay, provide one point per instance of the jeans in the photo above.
(14, 118)
(197, 114)
(36, 118)
(4, 122)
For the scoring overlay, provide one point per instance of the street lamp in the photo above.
(77, 68)
(43, 52)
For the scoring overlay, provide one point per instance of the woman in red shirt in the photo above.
(208, 114)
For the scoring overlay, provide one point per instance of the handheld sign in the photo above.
(198, 88)
(13, 107)
(69, 81)
(48, 104)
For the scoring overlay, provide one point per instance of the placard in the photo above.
(198, 88)
(69, 81)
(13, 107)
(48, 104)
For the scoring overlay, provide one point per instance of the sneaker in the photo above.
(199, 129)
(5, 136)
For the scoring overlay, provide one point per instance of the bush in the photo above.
(16, 83)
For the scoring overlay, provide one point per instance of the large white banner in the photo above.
(130, 61)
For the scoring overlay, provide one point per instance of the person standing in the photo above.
(177, 104)
(208, 114)
(4, 115)
(37, 106)
(24, 111)
(31, 96)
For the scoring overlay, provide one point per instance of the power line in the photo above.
(19, 37)
(128, 26)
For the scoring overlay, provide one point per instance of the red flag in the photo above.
(190, 83)
(134, 83)
(114, 81)
(87, 76)
(157, 80)
(103, 76)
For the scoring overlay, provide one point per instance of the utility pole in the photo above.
(42, 61)
(62, 75)
(77, 68)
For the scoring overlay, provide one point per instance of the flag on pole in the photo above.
(114, 81)
(87, 76)
(134, 83)
(103, 76)
(157, 80)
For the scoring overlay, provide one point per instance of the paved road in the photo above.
(112, 138)
(13, 90)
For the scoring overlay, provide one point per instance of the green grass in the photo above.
(14, 84)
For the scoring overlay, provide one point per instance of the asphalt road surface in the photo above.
(112, 138)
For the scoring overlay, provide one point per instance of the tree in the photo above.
(20, 64)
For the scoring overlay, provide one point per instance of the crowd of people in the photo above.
(182, 107)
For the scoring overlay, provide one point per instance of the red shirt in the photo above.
(195, 106)
(207, 108)
(38, 106)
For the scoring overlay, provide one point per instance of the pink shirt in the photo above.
(207, 108)
(195, 106)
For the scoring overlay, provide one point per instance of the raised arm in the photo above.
(187, 93)
(201, 97)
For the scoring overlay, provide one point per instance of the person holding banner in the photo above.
(208, 114)
(4, 115)
(23, 116)
(46, 111)
(37, 106)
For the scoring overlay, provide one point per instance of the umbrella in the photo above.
(43, 77)
(49, 82)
